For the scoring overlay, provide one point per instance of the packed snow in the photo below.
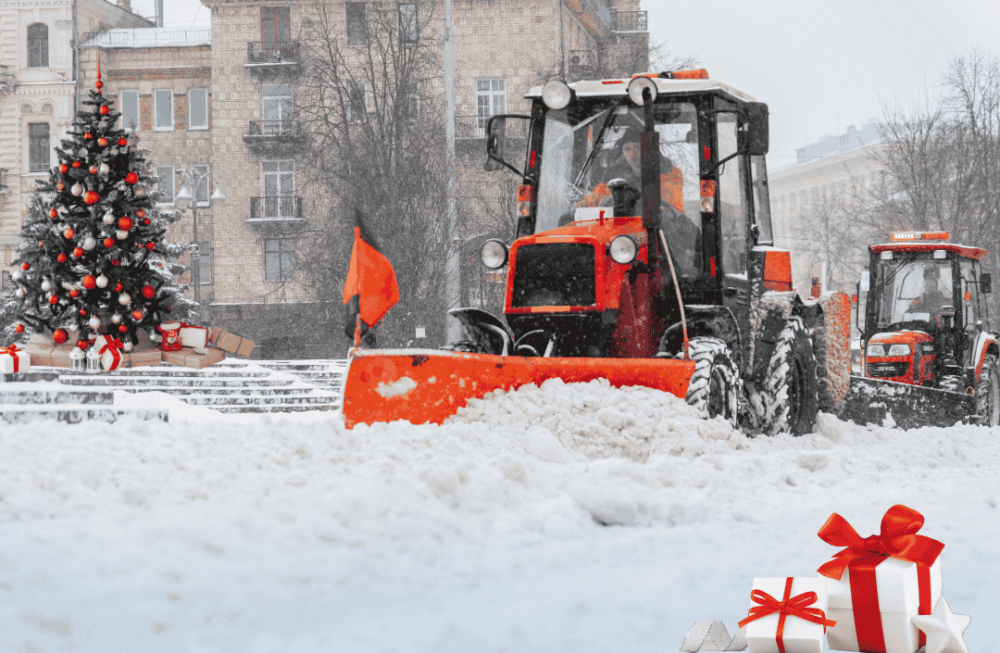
(562, 518)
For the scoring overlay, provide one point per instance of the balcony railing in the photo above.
(284, 207)
(273, 134)
(630, 21)
(280, 57)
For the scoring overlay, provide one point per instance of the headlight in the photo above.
(623, 250)
(899, 350)
(556, 94)
(493, 254)
(876, 351)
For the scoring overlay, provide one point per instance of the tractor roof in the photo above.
(619, 87)
(975, 253)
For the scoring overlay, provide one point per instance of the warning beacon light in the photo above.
(909, 236)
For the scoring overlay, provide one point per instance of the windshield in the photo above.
(588, 145)
(913, 289)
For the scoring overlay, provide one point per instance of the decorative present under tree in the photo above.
(93, 258)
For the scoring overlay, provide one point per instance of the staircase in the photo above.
(231, 386)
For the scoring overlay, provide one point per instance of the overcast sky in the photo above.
(820, 66)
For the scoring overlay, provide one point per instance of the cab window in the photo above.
(732, 207)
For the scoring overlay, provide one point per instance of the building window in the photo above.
(408, 22)
(164, 100)
(205, 263)
(277, 103)
(128, 102)
(200, 191)
(356, 29)
(198, 108)
(279, 259)
(5, 280)
(491, 100)
(38, 45)
(357, 105)
(38, 147)
(278, 182)
(46, 108)
(411, 107)
(275, 26)
(165, 183)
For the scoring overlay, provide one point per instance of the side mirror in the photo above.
(758, 119)
(865, 284)
(496, 143)
(985, 283)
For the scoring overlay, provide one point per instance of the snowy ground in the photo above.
(261, 534)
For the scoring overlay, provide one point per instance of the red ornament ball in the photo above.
(137, 315)
(131, 178)
(25, 265)
(41, 243)
(109, 242)
(69, 233)
(102, 141)
(115, 263)
(98, 84)
(59, 336)
(74, 293)
(146, 222)
(93, 170)
(105, 109)
(83, 312)
(61, 258)
(76, 164)
(83, 344)
(123, 328)
(64, 168)
(122, 142)
(89, 282)
(118, 287)
(125, 223)
(60, 186)
(148, 292)
(141, 213)
(53, 213)
(77, 252)
(19, 328)
(150, 245)
(88, 136)
(91, 197)
(54, 299)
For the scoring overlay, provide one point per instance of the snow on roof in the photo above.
(150, 37)
(607, 87)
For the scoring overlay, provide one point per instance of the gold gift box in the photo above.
(44, 351)
(230, 342)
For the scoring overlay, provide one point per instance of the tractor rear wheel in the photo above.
(715, 386)
(790, 394)
(988, 393)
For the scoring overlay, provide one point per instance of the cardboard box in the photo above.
(140, 356)
(188, 358)
(44, 351)
(232, 343)
(798, 635)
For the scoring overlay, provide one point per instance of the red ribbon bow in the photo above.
(12, 350)
(113, 346)
(788, 606)
(897, 539)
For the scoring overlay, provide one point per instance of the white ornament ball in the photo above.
(109, 218)
(127, 346)
(73, 327)
(102, 281)
(17, 276)
(140, 192)
(121, 234)
(46, 286)
(77, 189)
(124, 299)
(104, 168)
(20, 293)
(154, 336)
(89, 243)
(116, 318)
(83, 152)
(94, 323)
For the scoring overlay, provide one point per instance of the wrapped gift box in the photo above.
(140, 356)
(232, 343)
(193, 336)
(188, 357)
(44, 351)
(14, 360)
(798, 634)
(898, 602)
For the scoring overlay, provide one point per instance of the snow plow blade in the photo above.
(428, 385)
(869, 401)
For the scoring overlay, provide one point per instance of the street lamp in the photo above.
(192, 179)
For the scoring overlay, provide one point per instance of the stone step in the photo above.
(213, 401)
(135, 381)
(30, 393)
(276, 408)
(75, 413)
(182, 391)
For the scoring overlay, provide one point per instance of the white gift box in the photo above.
(7, 362)
(194, 336)
(107, 358)
(799, 635)
(898, 602)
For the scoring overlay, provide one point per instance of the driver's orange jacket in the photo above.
(671, 191)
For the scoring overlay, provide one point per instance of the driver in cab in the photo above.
(932, 299)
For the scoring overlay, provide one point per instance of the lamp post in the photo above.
(191, 184)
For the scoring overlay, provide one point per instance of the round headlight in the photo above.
(623, 250)
(637, 86)
(493, 254)
(556, 94)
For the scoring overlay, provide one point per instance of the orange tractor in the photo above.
(643, 256)
(929, 357)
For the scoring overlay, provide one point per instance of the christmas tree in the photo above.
(93, 258)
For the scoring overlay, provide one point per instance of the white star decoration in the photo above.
(943, 629)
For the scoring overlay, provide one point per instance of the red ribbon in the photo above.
(12, 350)
(898, 539)
(113, 346)
(788, 606)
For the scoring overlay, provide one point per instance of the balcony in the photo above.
(281, 210)
(269, 136)
(623, 22)
(273, 58)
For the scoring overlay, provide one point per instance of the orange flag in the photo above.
(370, 289)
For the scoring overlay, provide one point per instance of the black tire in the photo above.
(716, 386)
(988, 393)
(790, 395)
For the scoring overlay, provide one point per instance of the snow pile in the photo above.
(267, 533)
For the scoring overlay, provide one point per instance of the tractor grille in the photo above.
(887, 370)
(554, 274)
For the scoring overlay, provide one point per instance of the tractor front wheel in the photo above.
(715, 386)
(988, 393)
(790, 395)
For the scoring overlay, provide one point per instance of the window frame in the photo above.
(121, 105)
(202, 169)
(491, 96)
(283, 104)
(41, 45)
(36, 165)
(205, 269)
(173, 184)
(156, 110)
(409, 29)
(286, 246)
(191, 104)
(357, 98)
(356, 27)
